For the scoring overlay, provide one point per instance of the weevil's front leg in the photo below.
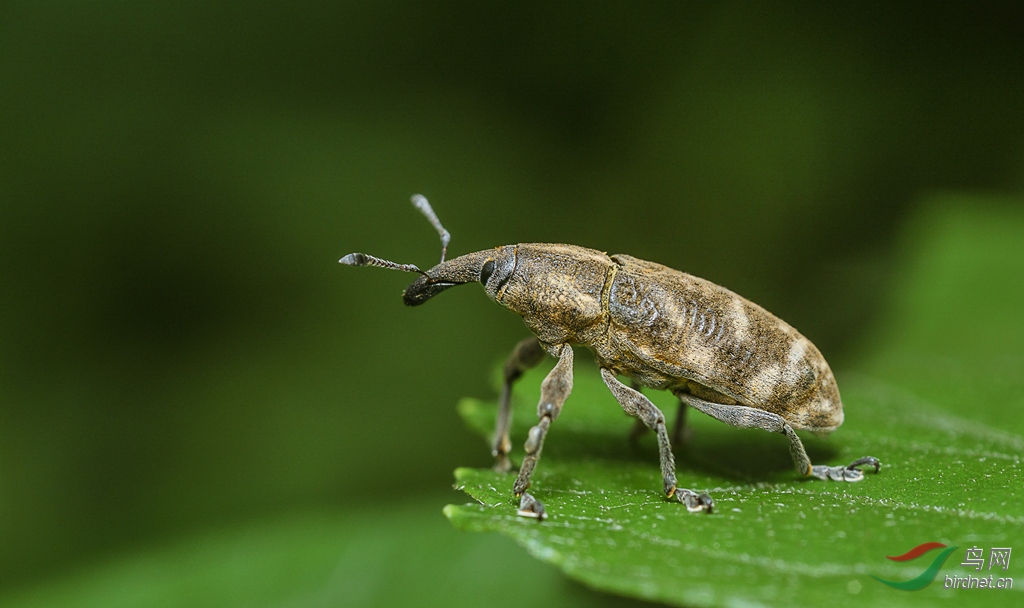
(525, 355)
(641, 407)
(745, 417)
(553, 393)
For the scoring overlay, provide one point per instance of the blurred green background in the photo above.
(180, 352)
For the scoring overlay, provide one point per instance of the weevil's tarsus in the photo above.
(635, 404)
(423, 205)
(695, 503)
(745, 417)
(827, 473)
(553, 392)
(866, 460)
(531, 507)
(848, 473)
(362, 259)
(527, 354)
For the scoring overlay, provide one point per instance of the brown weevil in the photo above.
(663, 329)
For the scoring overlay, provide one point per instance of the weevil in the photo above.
(716, 351)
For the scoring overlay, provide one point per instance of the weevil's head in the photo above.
(556, 289)
(492, 268)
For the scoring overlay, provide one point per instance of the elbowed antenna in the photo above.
(423, 205)
(362, 259)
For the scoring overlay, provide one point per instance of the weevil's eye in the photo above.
(487, 271)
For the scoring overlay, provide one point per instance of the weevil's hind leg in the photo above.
(525, 355)
(553, 392)
(820, 471)
(641, 407)
(745, 417)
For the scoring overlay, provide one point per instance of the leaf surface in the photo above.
(949, 474)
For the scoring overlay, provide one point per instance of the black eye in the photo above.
(486, 271)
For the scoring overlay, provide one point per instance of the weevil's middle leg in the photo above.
(553, 392)
(745, 417)
(641, 407)
(680, 432)
(639, 428)
(525, 355)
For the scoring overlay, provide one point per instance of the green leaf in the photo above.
(955, 337)
(776, 539)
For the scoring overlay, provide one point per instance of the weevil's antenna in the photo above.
(362, 259)
(421, 203)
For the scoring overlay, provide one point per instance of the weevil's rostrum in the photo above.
(661, 328)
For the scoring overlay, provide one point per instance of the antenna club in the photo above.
(362, 259)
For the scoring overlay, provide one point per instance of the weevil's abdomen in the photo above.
(670, 330)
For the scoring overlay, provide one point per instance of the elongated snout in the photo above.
(463, 269)
(424, 288)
